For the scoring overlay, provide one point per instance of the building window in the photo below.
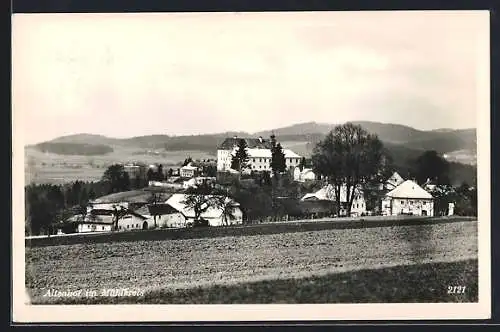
(137, 225)
(402, 202)
(102, 227)
(423, 203)
(411, 202)
(128, 226)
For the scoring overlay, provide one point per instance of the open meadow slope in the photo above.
(168, 271)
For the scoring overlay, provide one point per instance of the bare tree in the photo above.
(228, 208)
(203, 197)
(348, 157)
(155, 199)
(118, 213)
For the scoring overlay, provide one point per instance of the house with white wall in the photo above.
(392, 182)
(358, 206)
(164, 215)
(408, 199)
(188, 171)
(196, 181)
(213, 214)
(304, 175)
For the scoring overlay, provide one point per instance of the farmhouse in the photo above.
(163, 215)
(86, 227)
(293, 209)
(393, 181)
(135, 170)
(188, 171)
(259, 152)
(303, 175)
(358, 206)
(214, 215)
(102, 220)
(408, 198)
(133, 220)
(127, 199)
(196, 181)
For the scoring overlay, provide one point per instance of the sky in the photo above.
(124, 75)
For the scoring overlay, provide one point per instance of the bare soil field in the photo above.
(194, 266)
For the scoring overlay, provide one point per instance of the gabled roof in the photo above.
(395, 179)
(189, 167)
(230, 143)
(160, 209)
(409, 189)
(328, 193)
(136, 196)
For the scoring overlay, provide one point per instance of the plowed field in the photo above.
(175, 265)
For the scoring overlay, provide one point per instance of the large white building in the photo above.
(259, 152)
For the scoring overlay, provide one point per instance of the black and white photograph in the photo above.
(294, 163)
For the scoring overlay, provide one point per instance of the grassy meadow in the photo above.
(57, 169)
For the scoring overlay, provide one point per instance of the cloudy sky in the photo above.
(125, 75)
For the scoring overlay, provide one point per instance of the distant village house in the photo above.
(408, 199)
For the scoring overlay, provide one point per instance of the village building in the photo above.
(259, 153)
(408, 199)
(197, 181)
(188, 171)
(135, 170)
(133, 221)
(163, 216)
(392, 182)
(213, 215)
(304, 175)
(358, 206)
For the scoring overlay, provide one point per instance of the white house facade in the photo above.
(188, 171)
(86, 227)
(392, 182)
(305, 175)
(358, 206)
(408, 199)
(213, 215)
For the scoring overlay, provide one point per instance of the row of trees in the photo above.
(46, 204)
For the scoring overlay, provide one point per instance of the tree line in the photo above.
(348, 156)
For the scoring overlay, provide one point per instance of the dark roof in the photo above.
(161, 209)
(252, 143)
(317, 206)
(297, 207)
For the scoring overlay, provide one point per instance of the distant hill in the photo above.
(85, 139)
(80, 149)
(307, 128)
(441, 140)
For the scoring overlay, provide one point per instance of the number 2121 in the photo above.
(456, 289)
